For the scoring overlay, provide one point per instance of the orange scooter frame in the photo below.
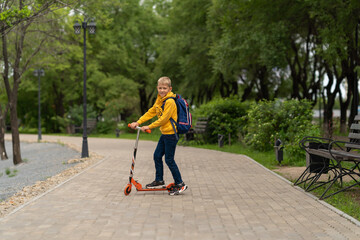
(137, 185)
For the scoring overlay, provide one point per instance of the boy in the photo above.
(168, 140)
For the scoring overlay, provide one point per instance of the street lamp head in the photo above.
(92, 27)
(39, 72)
(77, 27)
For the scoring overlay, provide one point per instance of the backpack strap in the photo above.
(172, 121)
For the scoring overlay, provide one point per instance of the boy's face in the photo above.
(163, 89)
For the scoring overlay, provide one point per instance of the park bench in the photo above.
(199, 130)
(201, 125)
(90, 125)
(335, 158)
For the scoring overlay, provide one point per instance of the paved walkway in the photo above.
(229, 197)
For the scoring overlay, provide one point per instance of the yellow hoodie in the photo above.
(170, 111)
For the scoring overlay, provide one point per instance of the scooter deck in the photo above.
(152, 189)
(139, 187)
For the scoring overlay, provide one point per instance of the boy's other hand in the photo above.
(144, 128)
(133, 125)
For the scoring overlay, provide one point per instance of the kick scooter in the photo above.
(137, 185)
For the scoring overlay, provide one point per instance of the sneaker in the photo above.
(177, 189)
(156, 184)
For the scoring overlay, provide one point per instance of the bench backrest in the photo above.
(90, 124)
(201, 125)
(354, 134)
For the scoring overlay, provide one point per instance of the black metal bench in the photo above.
(197, 131)
(201, 125)
(340, 158)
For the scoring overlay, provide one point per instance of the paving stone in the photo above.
(229, 197)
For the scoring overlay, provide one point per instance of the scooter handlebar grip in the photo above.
(148, 130)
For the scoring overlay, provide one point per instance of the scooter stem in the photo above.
(137, 138)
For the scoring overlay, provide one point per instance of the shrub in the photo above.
(76, 113)
(224, 117)
(287, 120)
(106, 126)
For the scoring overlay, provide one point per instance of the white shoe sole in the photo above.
(183, 189)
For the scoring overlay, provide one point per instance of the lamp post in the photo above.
(356, 91)
(92, 28)
(39, 73)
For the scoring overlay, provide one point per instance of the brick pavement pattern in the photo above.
(229, 197)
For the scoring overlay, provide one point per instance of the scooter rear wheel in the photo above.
(127, 190)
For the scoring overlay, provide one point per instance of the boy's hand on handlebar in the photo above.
(133, 125)
(144, 128)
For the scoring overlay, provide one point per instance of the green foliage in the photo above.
(106, 126)
(62, 122)
(125, 66)
(11, 173)
(122, 126)
(224, 117)
(184, 50)
(288, 121)
(209, 48)
(8, 16)
(75, 114)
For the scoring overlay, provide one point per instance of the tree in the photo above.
(3, 113)
(252, 46)
(130, 33)
(16, 61)
(337, 32)
(15, 12)
(184, 51)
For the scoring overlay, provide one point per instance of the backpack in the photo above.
(184, 120)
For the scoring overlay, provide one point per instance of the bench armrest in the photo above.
(337, 150)
(313, 139)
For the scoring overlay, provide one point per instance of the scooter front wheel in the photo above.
(127, 190)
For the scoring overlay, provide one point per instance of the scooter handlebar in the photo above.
(137, 127)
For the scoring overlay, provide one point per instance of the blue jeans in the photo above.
(166, 146)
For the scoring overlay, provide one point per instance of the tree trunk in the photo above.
(262, 74)
(143, 100)
(2, 136)
(248, 89)
(15, 134)
(343, 111)
(12, 89)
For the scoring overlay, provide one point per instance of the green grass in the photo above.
(347, 201)
(11, 173)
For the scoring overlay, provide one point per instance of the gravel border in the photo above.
(47, 164)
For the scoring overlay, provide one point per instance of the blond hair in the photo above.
(165, 80)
